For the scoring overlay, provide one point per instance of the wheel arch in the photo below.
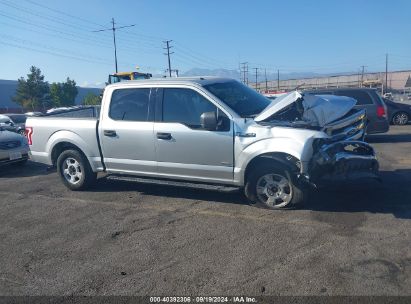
(63, 140)
(60, 148)
(281, 158)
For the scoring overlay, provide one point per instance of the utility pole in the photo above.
(168, 47)
(386, 73)
(256, 78)
(114, 28)
(362, 74)
(266, 84)
(245, 72)
(278, 81)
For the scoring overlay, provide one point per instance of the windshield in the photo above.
(245, 101)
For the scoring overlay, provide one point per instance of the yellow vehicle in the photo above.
(122, 76)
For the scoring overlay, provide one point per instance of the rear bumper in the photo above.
(40, 157)
(8, 161)
(344, 161)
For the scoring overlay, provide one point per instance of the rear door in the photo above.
(126, 132)
(186, 151)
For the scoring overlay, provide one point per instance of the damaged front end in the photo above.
(344, 161)
(344, 156)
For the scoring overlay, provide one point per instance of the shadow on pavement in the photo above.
(393, 195)
(28, 170)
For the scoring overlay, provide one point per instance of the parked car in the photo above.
(398, 113)
(19, 121)
(367, 99)
(7, 124)
(14, 148)
(209, 130)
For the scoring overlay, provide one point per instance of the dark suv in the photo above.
(366, 99)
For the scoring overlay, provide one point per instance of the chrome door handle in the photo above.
(165, 136)
(110, 133)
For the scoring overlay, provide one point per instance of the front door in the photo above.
(183, 149)
(126, 132)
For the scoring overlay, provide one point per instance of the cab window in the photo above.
(130, 104)
(185, 106)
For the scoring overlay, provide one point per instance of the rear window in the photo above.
(362, 97)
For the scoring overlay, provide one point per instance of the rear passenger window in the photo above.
(130, 104)
(362, 97)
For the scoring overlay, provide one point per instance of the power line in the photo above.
(114, 28)
(51, 53)
(60, 22)
(168, 47)
(64, 13)
(48, 47)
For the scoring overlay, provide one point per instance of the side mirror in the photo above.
(208, 121)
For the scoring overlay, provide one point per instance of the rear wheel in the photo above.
(273, 186)
(400, 118)
(75, 170)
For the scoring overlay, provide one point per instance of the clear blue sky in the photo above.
(294, 36)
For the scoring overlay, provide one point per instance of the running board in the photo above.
(173, 183)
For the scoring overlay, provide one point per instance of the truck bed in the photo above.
(48, 132)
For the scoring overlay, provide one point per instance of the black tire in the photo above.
(297, 191)
(400, 118)
(82, 176)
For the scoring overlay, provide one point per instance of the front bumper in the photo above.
(343, 161)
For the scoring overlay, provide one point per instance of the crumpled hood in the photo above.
(323, 109)
(319, 110)
(277, 105)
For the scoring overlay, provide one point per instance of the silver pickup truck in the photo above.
(211, 131)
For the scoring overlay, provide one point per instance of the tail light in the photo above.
(381, 112)
(29, 133)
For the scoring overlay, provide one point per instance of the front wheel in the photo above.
(273, 186)
(75, 171)
(400, 118)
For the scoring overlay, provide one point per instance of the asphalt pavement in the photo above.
(124, 238)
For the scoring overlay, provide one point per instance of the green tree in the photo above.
(63, 94)
(32, 93)
(91, 99)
